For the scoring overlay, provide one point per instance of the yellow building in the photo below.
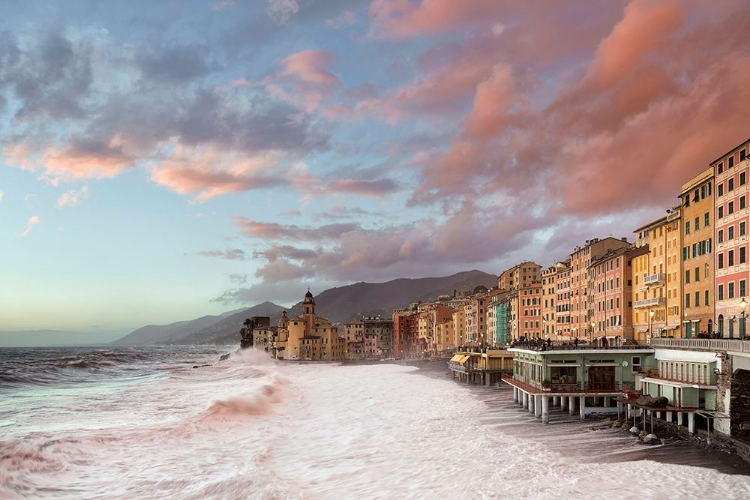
(697, 254)
(313, 338)
(657, 294)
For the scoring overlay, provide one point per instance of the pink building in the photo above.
(530, 310)
(613, 291)
(731, 174)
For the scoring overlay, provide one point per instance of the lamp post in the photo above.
(651, 323)
(593, 325)
(743, 306)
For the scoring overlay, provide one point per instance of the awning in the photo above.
(463, 359)
(555, 365)
(455, 358)
(670, 327)
(642, 330)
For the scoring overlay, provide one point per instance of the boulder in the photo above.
(635, 430)
(225, 357)
(651, 439)
(626, 426)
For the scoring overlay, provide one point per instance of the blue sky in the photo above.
(164, 160)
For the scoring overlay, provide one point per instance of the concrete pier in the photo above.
(583, 407)
(538, 406)
(571, 405)
(545, 409)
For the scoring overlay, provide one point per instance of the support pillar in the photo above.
(619, 410)
(487, 380)
(525, 398)
(532, 402)
(607, 401)
(555, 400)
(545, 409)
(691, 423)
(583, 407)
(538, 406)
(630, 409)
(563, 403)
(572, 405)
(679, 418)
(669, 416)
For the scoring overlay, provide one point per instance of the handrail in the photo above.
(704, 344)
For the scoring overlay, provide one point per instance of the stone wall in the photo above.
(740, 404)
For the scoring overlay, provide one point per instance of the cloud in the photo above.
(346, 18)
(209, 174)
(2, 194)
(73, 197)
(281, 11)
(34, 220)
(174, 64)
(238, 279)
(311, 67)
(272, 231)
(230, 254)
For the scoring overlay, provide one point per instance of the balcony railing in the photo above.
(655, 279)
(652, 302)
(734, 345)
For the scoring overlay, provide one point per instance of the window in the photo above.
(687, 200)
(721, 292)
(697, 223)
(743, 175)
(721, 261)
(687, 276)
(636, 363)
(687, 300)
(687, 227)
(730, 185)
(697, 299)
(719, 168)
(743, 288)
(730, 207)
(730, 294)
(730, 258)
(721, 189)
(730, 232)
(706, 220)
(743, 228)
(705, 298)
(730, 162)
(705, 272)
(743, 255)
(743, 155)
(685, 253)
(697, 274)
(721, 212)
(743, 202)
(721, 236)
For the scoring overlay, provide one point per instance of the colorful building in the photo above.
(731, 173)
(697, 254)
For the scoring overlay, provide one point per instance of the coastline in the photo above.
(564, 432)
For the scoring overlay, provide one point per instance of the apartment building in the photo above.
(612, 276)
(731, 174)
(697, 274)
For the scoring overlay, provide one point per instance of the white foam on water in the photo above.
(251, 427)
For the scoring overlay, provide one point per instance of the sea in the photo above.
(180, 423)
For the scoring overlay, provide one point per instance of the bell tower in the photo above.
(308, 311)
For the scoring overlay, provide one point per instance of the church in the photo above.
(306, 337)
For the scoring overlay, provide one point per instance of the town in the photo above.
(662, 316)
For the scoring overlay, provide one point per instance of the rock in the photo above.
(199, 366)
(225, 357)
(626, 426)
(643, 433)
(615, 424)
(635, 430)
(651, 439)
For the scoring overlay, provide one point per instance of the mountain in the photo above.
(344, 303)
(369, 299)
(227, 330)
(155, 334)
(44, 338)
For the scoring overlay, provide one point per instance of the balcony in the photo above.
(655, 279)
(653, 302)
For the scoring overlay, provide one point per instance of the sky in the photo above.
(160, 161)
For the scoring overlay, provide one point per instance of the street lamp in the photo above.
(743, 305)
(651, 323)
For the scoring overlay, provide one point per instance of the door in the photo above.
(602, 378)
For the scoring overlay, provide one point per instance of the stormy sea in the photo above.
(178, 423)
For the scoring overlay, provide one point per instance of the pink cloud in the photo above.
(208, 174)
(34, 220)
(404, 18)
(311, 66)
